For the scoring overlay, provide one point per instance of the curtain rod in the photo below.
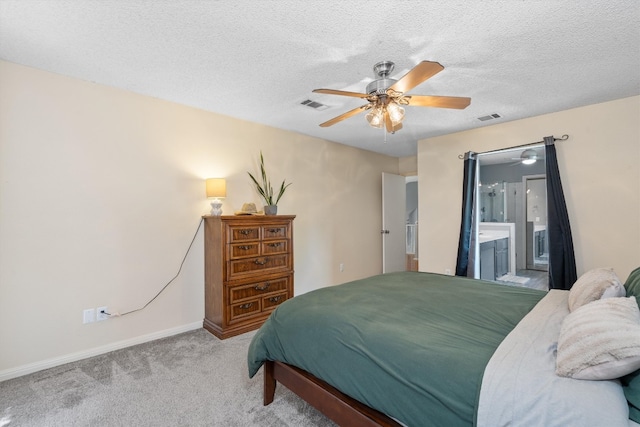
(562, 138)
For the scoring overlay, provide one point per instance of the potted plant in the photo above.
(266, 190)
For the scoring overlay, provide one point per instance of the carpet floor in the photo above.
(190, 379)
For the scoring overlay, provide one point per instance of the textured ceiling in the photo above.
(258, 60)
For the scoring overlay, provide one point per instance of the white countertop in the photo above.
(489, 235)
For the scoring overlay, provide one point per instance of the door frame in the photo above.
(526, 245)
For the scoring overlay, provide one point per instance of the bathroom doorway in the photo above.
(536, 241)
(512, 246)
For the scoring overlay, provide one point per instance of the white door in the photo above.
(393, 223)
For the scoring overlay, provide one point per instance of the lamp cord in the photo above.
(169, 282)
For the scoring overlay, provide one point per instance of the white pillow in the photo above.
(594, 285)
(600, 340)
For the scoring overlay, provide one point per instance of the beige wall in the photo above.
(408, 166)
(101, 191)
(599, 169)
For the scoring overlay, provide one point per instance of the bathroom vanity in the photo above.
(497, 249)
(494, 258)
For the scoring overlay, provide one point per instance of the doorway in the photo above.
(536, 241)
(512, 212)
(411, 252)
(399, 223)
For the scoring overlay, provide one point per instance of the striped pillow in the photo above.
(600, 340)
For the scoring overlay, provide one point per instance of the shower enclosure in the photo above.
(493, 202)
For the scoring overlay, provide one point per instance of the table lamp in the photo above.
(216, 189)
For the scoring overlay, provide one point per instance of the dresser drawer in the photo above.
(270, 302)
(244, 250)
(275, 247)
(245, 309)
(249, 291)
(238, 233)
(280, 231)
(265, 264)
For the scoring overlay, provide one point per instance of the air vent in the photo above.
(489, 117)
(315, 105)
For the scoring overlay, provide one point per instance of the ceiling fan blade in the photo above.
(346, 115)
(341, 92)
(418, 74)
(439, 101)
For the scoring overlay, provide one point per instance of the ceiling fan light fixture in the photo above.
(396, 113)
(386, 96)
(529, 157)
(375, 117)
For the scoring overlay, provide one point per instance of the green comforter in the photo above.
(411, 345)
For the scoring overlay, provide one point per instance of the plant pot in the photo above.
(271, 210)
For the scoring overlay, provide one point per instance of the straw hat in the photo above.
(249, 209)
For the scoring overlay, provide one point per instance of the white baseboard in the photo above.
(8, 374)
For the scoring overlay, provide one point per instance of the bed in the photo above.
(423, 349)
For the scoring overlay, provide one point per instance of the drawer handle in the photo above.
(261, 262)
(274, 245)
(244, 232)
(273, 230)
(262, 287)
(245, 306)
(245, 247)
(275, 299)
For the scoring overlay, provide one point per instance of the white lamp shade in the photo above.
(216, 187)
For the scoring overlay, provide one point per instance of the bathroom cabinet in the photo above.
(494, 259)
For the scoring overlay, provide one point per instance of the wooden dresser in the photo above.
(248, 270)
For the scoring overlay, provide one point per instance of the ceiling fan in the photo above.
(387, 96)
(528, 157)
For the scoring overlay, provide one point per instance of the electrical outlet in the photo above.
(101, 314)
(447, 271)
(341, 267)
(88, 315)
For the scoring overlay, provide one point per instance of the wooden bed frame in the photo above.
(337, 406)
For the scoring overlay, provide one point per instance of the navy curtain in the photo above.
(562, 262)
(466, 258)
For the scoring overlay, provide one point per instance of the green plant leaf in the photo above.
(282, 189)
(265, 189)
